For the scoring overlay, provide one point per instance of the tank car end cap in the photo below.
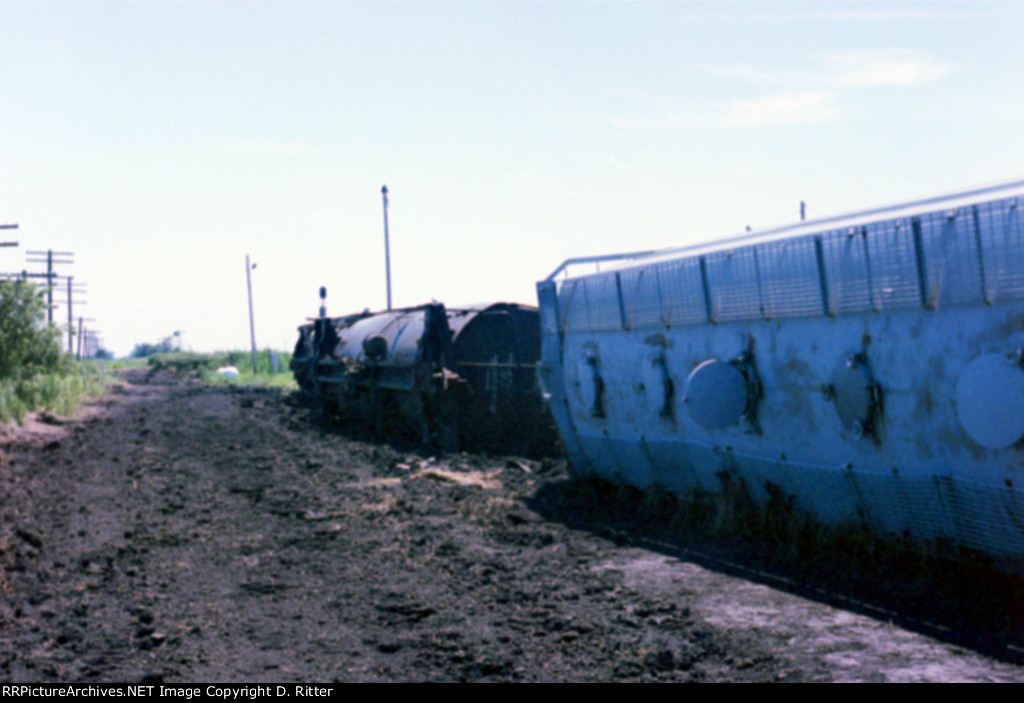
(990, 401)
(716, 393)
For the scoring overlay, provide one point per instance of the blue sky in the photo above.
(162, 142)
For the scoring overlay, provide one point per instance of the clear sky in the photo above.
(162, 142)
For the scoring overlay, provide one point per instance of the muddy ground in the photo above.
(176, 532)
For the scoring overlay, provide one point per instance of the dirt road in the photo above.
(178, 532)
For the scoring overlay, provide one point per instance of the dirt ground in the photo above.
(176, 532)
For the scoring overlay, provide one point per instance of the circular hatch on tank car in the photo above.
(716, 394)
(990, 400)
(856, 395)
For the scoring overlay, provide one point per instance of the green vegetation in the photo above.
(166, 345)
(57, 393)
(34, 373)
(27, 345)
(205, 366)
(128, 364)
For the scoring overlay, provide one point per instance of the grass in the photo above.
(127, 364)
(62, 392)
(204, 366)
(59, 393)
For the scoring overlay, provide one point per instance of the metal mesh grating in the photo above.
(982, 517)
(894, 273)
(590, 303)
(663, 295)
(734, 281)
(951, 247)
(602, 296)
(848, 271)
(821, 490)
(985, 517)
(684, 302)
(703, 461)
(573, 305)
(1002, 248)
(757, 473)
(790, 278)
(879, 506)
(940, 258)
(642, 297)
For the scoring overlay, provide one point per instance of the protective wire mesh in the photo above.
(985, 517)
(964, 256)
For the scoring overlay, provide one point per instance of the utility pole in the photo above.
(71, 340)
(52, 280)
(50, 261)
(252, 327)
(8, 244)
(387, 246)
(49, 286)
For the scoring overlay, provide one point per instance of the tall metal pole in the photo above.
(252, 327)
(387, 245)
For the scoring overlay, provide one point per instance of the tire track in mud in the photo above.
(187, 533)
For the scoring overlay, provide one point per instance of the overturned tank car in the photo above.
(454, 377)
(866, 369)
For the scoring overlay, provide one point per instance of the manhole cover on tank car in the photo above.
(716, 393)
(854, 393)
(990, 401)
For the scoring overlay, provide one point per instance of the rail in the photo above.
(598, 259)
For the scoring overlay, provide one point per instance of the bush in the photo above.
(143, 349)
(35, 374)
(183, 363)
(28, 346)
